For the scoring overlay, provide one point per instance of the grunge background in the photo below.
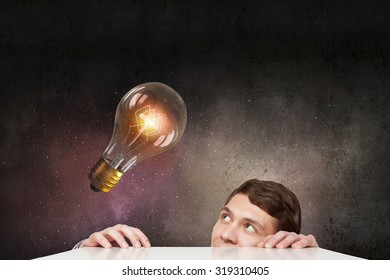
(291, 91)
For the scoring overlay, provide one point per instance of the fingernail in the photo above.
(268, 245)
(107, 245)
(138, 244)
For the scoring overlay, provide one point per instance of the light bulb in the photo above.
(149, 120)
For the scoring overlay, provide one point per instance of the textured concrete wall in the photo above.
(295, 92)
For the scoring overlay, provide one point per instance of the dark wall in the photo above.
(294, 91)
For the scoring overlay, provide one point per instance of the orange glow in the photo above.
(148, 121)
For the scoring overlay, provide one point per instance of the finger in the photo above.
(116, 236)
(305, 241)
(134, 235)
(299, 244)
(265, 239)
(275, 239)
(288, 240)
(261, 244)
(142, 238)
(95, 240)
(312, 241)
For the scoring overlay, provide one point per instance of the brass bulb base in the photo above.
(103, 177)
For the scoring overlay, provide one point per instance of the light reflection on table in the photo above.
(198, 253)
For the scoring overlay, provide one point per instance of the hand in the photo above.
(115, 236)
(284, 239)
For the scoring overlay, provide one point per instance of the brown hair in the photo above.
(275, 199)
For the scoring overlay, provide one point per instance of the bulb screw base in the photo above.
(103, 177)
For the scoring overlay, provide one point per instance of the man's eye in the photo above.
(250, 228)
(225, 217)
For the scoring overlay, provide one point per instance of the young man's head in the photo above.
(253, 211)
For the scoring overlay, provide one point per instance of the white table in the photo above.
(198, 253)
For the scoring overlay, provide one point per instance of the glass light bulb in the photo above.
(149, 120)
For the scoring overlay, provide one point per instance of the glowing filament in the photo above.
(148, 121)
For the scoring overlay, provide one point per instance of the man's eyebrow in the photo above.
(225, 208)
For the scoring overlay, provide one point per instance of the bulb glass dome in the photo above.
(149, 120)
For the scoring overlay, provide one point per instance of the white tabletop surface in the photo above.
(198, 253)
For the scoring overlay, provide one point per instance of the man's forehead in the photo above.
(241, 204)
